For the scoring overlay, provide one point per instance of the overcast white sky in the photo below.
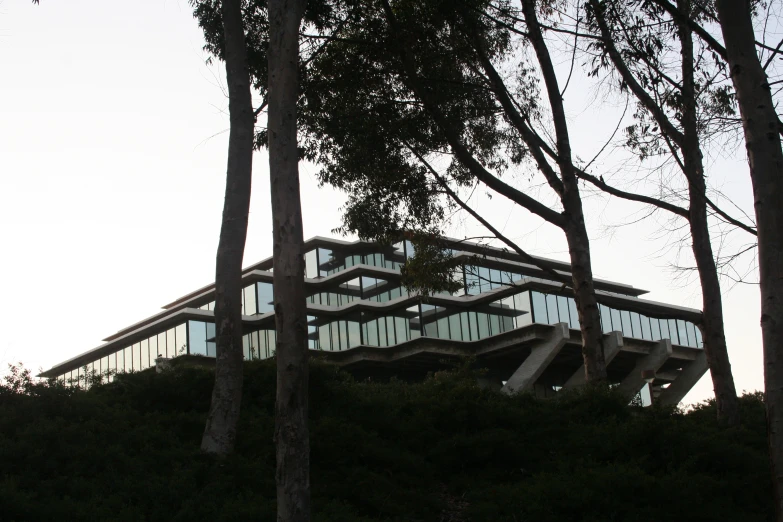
(112, 166)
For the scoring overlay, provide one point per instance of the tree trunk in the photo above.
(584, 295)
(220, 431)
(762, 141)
(574, 226)
(712, 306)
(292, 437)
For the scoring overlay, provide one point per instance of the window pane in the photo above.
(625, 317)
(521, 303)
(664, 324)
(137, 357)
(354, 337)
(682, 332)
(249, 293)
(311, 264)
(699, 341)
(182, 339)
(211, 346)
(551, 308)
(483, 325)
(198, 337)
(646, 334)
(335, 327)
(617, 322)
(113, 363)
(562, 307)
(691, 334)
(128, 356)
(655, 329)
(272, 342)
(636, 323)
(162, 345)
(673, 331)
(266, 298)
(606, 318)
(483, 275)
(382, 340)
(539, 308)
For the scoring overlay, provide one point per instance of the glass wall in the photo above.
(134, 358)
(387, 327)
(322, 262)
(551, 309)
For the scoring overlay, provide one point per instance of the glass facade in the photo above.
(388, 326)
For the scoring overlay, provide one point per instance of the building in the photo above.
(519, 325)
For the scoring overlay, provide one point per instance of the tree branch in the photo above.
(460, 150)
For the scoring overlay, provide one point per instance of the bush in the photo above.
(380, 451)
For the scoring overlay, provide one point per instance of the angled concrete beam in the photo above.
(688, 377)
(613, 342)
(540, 356)
(633, 382)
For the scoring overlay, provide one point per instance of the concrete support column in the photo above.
(633, 382)
(540, 356)
(613, 343)
(688, 377)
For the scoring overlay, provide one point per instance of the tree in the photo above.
(292, 438)
(761, 125)
(220, 431)
(673, 122)
(424, 83)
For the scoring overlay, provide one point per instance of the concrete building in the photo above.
(518, 324)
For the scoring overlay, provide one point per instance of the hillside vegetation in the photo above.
(438, 450)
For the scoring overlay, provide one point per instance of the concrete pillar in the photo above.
(613, 343)
(540, 356)
(633, 382)
(688, 377)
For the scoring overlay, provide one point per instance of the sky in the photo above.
(113, 139)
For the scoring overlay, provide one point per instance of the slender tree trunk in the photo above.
(292, 436)
(220, 431)
(762, 141)
(574, 226)
(712, 306)
(584, 295)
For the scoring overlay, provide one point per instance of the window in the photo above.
(182, 339)
(646, 334)
(265, 298)
(606, 318)
(673, 331)
(211, 346)
(137, 357)
(311, 264)
(198, 337)
(655, 329)
(625, 318)
(551, 308)
(636, 323)
(171, 343)
(249, 300)
(562, 307)
(522, 304)
(145, 354)
(539, 307)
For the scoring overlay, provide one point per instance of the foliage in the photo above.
(390, 451)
